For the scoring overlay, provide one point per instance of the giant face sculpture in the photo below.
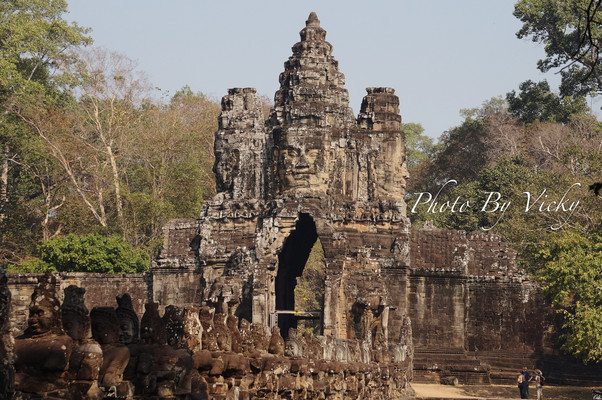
(299, 160)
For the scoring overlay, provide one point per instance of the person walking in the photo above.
(539, 382)
(524, 383)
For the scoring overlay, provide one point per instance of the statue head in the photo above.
(245, 326)
(153, 329)
(76, 321)
(105, 325)
(129, 324)
(44, 309)
(292, 345)
(299, 161)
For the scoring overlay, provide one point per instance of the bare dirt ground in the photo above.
(498, 392)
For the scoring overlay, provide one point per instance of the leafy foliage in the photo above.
(92, 253)
(572, 277)
(419, 147)
(536, 102)
(572, 35)
(34, 41)
(309, 292)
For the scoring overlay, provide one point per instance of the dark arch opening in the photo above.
(291, 262)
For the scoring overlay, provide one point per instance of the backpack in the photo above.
(542, 380)
(521, 378)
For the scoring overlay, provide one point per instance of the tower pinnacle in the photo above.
(312, 20)
(312, 30)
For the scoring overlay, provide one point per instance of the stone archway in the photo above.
(291, 262)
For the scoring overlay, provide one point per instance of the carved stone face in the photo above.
(127, 331)
(299, 164)
(292, 348)
(41, 319)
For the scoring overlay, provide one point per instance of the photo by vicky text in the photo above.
(494, 203)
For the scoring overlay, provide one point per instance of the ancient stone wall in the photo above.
(437, 303)
(508, 317)
(101, 290)
(467, 298)
(477, 254)
(181, 286)
(458, 281)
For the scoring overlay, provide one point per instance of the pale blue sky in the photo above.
(440, 56)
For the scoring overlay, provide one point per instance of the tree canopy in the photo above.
(536, 102)
(90, 253)
(571, 31)
(87, 146)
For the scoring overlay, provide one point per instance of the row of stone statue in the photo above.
(67, 352)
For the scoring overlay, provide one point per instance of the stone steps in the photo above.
(431, 366)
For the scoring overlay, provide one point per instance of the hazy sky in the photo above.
(439, 55)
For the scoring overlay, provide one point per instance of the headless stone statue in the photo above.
(246, 336)
(235, 336)
(43, 351)
(209, 335)
(174, 326)
(260, 340)
(276, 345)
(222, 335)
(206, 318)
(311, 346)
(153, 330)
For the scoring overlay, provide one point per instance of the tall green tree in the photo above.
(571, 276)
(571, 31)
(34, 41)
(485, 133)
(169, 164)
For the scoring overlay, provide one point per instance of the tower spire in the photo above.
(312, 30)
(312, 20)
(312, 90)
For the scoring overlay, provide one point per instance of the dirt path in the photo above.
(497, 392)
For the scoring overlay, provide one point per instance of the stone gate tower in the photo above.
(311, 170)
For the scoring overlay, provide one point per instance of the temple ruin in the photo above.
(311, 171)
